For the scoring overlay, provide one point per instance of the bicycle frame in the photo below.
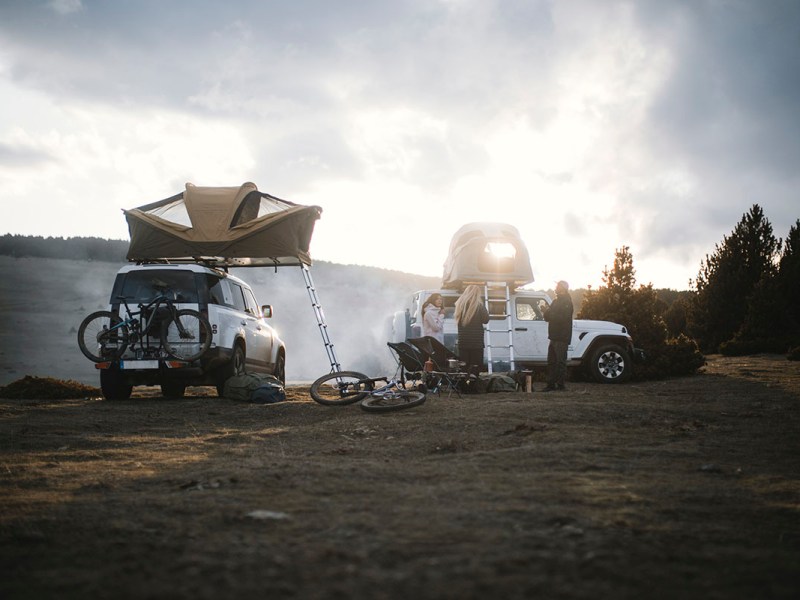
(137, 331)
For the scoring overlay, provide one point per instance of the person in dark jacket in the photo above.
(559, 330)
(471, 315)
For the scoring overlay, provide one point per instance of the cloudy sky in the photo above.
(588, 124)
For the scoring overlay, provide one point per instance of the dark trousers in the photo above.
(556, 362)
(474, 359)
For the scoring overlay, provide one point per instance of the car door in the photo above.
(259, 333)
(530, 329)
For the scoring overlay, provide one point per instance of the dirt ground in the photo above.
(686, 488)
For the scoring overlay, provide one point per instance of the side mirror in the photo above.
(266, 311)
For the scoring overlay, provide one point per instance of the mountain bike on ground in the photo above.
(158, 329)
(347, 387)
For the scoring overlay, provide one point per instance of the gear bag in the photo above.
(254, 387)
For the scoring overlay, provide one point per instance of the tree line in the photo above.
(76, 248)
(745, 300)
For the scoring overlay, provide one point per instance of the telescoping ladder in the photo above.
(497, 296)
(320, 316)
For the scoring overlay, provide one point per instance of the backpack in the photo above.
(254, 387)
(501, 383)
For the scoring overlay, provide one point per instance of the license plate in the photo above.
(138, 364)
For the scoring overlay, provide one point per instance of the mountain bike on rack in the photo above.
(183, 335)
(347, 387)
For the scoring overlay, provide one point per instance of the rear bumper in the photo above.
(157, 371)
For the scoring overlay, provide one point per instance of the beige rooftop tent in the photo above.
(487, 252)
(231, 226)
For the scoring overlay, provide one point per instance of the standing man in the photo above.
(559, 330)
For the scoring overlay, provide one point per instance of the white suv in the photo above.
(604, 349)
(242, 340)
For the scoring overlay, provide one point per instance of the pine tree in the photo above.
(640, 310)
(729, 277)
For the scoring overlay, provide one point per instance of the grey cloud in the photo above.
(22, 156)
(731, 102)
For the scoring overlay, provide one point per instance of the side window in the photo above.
(237, 296)
(216, 295)
(252, 305)
(528, 309)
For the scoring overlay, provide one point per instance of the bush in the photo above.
(794, 354)
(675, 357)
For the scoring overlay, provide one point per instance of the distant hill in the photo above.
(48, 285)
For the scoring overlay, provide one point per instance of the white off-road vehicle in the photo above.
(493, 256)
(604, 349)
(240, 337)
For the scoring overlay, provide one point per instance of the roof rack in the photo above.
(218, 262)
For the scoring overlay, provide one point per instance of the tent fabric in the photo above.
(230, 226)
(487, 252)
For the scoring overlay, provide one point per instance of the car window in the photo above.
(147, 284)
(237, 296)
(216, 292)
(528, 309)
(252, 305)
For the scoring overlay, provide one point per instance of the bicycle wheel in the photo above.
(102, 337)
(340, 387)
(392, 400)
(193, 341)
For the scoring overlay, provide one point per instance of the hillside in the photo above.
(43, 301)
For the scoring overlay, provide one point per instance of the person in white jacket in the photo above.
(433, 317)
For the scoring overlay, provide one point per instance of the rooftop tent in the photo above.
(232, 226)
(481, 252)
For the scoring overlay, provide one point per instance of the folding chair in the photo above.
(440, 355)
(410, 362)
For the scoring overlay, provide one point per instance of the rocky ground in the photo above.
(685, 488)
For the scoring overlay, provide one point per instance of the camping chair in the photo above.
(440, 355)
(410, 362)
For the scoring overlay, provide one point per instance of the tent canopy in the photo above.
(230, 226)
(481, 252)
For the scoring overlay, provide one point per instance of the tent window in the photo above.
(174, 211)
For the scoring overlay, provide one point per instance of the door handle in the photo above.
(520, 329)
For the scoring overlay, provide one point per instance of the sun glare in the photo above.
(501, 249)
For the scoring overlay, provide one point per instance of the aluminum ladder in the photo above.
(320, 316)
(497, 296)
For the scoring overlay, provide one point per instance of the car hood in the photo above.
(589, 325)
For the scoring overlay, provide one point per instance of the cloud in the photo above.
(648, 124)
(65, 7)
(13, 155)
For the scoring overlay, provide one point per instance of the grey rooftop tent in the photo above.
(230, 226)
(487, 252)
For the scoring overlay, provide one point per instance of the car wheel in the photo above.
(113, 386)
(280, 368)
(610, 364)
(234, 367)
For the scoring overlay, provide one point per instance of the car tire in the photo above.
(610, 363)
(280, 368)
(235, 366)
(113, 386)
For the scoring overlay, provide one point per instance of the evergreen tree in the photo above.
(729, 277)
(772, 323)
(640, 310)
